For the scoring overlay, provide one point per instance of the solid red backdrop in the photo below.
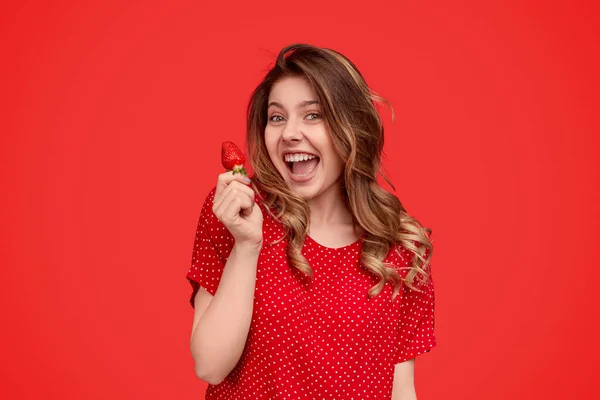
(112, 120)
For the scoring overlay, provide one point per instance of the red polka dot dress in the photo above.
(323, 339)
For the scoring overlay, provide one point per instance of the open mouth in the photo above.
(302, 165)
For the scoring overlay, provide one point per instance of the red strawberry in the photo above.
(232, 158)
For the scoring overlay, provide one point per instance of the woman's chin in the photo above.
(305, 192)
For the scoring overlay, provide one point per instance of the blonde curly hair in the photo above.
(356, 129)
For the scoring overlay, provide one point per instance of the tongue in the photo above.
(304, 167)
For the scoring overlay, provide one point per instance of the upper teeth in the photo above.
(298, 157)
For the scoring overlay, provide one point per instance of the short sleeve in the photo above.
(212, 246)
(417, 322)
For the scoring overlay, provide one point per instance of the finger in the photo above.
(222, 205)
(242, 188)
(226, 178)
(232, 197)
(236, 206)
(235, 187)
(232, 186)
(245, 192)
(247, 204)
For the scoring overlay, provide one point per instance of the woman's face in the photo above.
(297, 139)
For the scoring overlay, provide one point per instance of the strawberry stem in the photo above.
(239, 169)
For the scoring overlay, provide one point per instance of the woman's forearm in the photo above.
(404, 394)
(220, 336)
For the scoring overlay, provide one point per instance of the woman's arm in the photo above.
(221, 323)
(404, 381)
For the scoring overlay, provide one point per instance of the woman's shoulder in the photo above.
(207, 206)
(400, 252)
(210, 222)
(401, 258)
(399, 255)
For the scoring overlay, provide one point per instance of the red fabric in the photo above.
(324, 339)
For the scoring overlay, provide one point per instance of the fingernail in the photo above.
(247, 179)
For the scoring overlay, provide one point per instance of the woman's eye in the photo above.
(279, 118)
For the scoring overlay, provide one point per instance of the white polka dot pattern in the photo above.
(212, 246)
(323, 339)
(417, 321)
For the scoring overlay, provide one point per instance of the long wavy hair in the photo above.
(356, 130)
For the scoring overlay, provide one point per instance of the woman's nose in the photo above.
(291, 132)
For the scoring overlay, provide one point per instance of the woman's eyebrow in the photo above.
(305, 103)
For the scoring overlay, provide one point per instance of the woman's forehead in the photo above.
(292, 92)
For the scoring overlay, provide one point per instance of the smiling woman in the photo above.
(335, 299)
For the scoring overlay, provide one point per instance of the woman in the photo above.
(311, 281)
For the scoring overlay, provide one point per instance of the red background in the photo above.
(111, 124)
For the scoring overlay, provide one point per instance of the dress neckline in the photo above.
(313, 241)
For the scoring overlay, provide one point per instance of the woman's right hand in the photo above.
(234, 206)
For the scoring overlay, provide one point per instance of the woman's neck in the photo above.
(329, 208)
